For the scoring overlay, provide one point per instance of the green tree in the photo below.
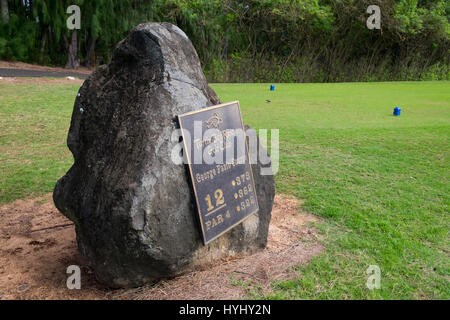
(247, 40)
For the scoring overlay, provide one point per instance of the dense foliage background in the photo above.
(247, 40)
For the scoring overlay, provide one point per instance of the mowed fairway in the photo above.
(380, 183)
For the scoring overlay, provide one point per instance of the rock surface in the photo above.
(132, 207)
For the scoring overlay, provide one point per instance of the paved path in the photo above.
(10, 72)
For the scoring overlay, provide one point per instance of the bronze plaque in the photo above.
(216, 151)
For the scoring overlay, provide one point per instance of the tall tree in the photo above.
(251, 40)
(5, 13)
(72, 52)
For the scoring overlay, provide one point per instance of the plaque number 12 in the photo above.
(219, 199)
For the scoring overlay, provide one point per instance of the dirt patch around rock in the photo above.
(37, 244)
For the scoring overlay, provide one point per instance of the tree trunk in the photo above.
(5, 12)
(44, 40)
(91, 53)
(72, 52)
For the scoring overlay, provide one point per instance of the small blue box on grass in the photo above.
(272, 87)
(397, 111)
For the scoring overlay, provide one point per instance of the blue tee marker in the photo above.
(397, 111)
(272, 87)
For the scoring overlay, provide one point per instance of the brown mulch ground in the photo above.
(41, 80)
(37, 244)
(22, 65)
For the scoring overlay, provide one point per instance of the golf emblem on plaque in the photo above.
(219, 167)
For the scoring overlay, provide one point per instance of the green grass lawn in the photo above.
(379, 182)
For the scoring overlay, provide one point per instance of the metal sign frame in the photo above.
(233, 213)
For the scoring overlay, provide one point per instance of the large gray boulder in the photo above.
(132, 207)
